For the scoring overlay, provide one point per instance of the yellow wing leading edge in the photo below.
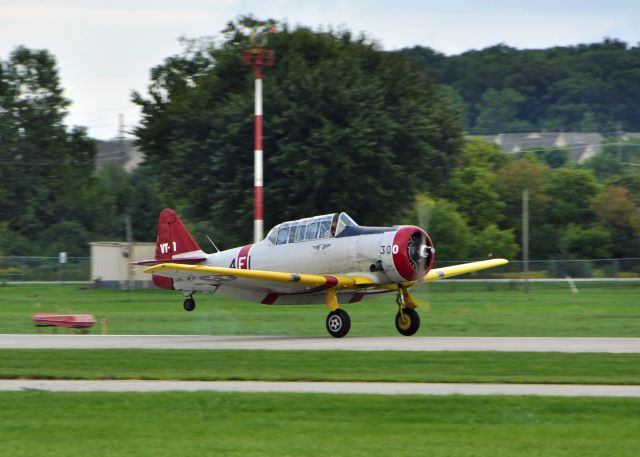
(455, 270)
(306, 280)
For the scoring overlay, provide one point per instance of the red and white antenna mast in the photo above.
(258, 57)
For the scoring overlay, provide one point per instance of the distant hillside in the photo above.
(584, 88)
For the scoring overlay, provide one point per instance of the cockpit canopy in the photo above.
(311, 228)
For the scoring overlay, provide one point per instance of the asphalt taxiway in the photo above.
(276, 343)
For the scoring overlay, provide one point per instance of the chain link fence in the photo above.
(44, 269)
(41, 269)
(628, 268)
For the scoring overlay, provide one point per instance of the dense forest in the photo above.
(584, 88)
(348, 127)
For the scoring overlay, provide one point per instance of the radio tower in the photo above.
(258, 57)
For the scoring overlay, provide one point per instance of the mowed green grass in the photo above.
(168, 424)
(448, 309)
(36, 424)
(482, 367)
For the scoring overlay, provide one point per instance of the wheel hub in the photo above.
(404, 321)
(335, 323)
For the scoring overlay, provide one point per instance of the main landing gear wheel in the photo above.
(338, 323)
(189, 304)
(407, 321)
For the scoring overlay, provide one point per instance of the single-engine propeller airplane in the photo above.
(323, 259)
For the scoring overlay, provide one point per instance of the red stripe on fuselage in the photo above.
(270, 299)
(243, 261)
(162, 282)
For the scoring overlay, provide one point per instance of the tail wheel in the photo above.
(407, 321)
(189, 304)
(338, 323)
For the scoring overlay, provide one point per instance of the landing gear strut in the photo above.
(407, 319)
(189, 303)
(338, 321)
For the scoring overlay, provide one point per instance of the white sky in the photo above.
(105, 49)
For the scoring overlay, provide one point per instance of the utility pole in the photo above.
(258, 57)
(619, 142)
(525, 238)
(123, 153)
(129, 251)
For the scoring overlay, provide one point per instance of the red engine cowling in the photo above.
(407, 254)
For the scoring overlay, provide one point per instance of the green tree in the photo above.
(476, 197)
(525, 173)
(499, 112)
(12, 243)
(618, 212)
(479, 153)
(554, 157)
(146, 202)
(587, 87)
(65, 236)
(111, 201)
(494, 242)
(578, 242)
(449, 232)
(45, 169)
(604, 166)
(511, 180)
(569, 193)
(347, 127)
(631, 183)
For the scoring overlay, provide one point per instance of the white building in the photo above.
(110, 264)
(581, 146)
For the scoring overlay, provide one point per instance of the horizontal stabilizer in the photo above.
(184, 261)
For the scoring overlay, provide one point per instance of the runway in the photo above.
(278, 343)
(375, 388)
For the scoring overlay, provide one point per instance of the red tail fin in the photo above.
(173, 237)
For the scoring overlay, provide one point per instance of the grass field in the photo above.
(322, 366)
(167, 424)
(611, 309)
(36, 424)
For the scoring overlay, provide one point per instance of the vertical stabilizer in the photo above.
(174, 244)
(174, 240)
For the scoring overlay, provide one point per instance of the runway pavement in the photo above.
(379, 388)
(504, 344)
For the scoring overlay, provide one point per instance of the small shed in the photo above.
(110, 264)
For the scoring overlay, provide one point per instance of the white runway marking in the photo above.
(503, 344)
(379, 388)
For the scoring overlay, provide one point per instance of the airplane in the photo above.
(327, 259)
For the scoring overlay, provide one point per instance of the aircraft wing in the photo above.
(454, 270)
(259, 279)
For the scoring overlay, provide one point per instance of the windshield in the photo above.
(344, 221)
(310, 228)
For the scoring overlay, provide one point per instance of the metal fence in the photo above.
(628, 268)
(32, 269)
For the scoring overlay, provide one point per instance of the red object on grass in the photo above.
(64, 320)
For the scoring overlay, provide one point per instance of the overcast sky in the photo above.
(105, 48)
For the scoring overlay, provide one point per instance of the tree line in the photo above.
(585, 88)
(52, 197)
(348, 127)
